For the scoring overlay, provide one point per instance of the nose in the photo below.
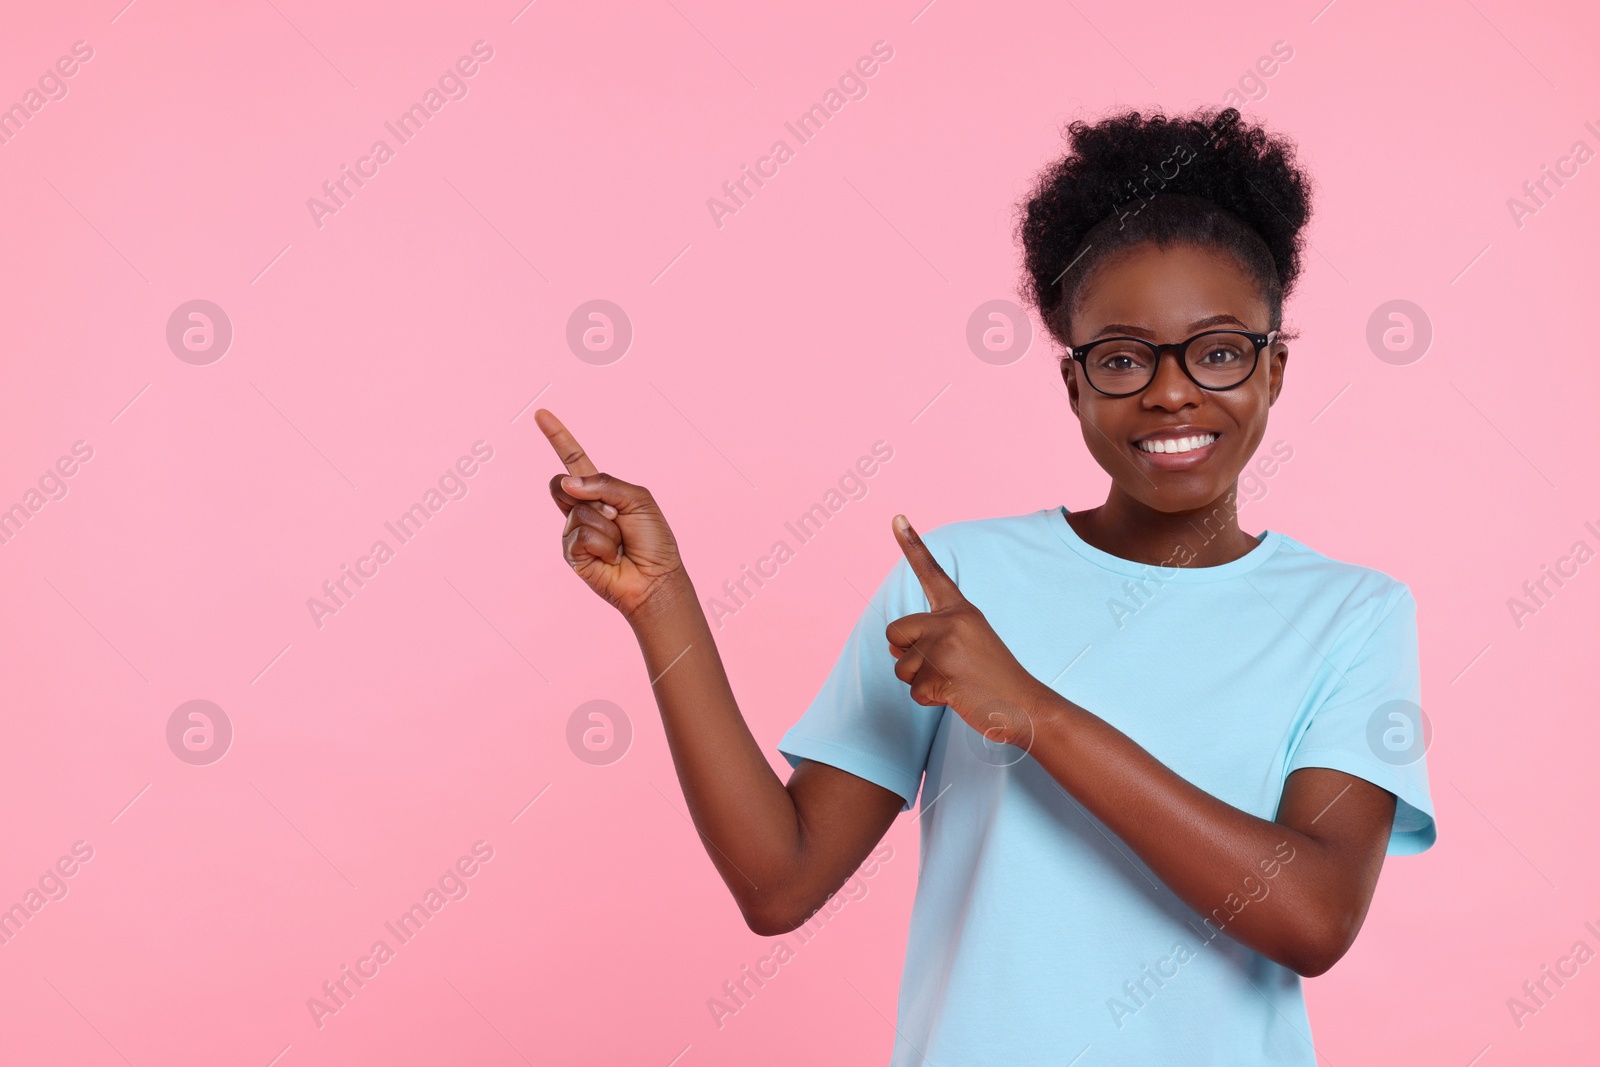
(1170, 389)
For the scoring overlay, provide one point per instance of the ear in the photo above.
(1279, 358)
(1069, 374)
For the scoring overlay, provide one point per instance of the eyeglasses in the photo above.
(1215, 360)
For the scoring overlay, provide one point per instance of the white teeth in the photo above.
(1178, 444)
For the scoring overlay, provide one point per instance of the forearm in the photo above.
(744, 813)
(1263, 883)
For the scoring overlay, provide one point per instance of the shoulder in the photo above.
(1363, 594)
(977, 539)
(994, 552)
(960, 533)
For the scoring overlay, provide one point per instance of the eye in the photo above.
(1220, 353)
(1120, 356)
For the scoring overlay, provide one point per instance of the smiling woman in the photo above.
(1207, 266)
(1093, 792)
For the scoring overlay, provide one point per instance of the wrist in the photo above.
(666, 600)
(1042, 707)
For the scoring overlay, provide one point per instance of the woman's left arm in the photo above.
(1296, 890)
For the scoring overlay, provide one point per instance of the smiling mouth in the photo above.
(1176, 445)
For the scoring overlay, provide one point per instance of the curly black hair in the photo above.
(1206, 177)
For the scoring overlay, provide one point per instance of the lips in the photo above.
(1175, 445)
(1177, 448)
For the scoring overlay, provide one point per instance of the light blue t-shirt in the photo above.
(1037, 935)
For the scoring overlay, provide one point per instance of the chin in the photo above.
(1174, 493)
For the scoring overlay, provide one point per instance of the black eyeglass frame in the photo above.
(1180, 349)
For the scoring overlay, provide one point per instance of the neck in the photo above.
(1207, 536)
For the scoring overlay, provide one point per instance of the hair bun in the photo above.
(1209, 176)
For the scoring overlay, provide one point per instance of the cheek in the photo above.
(1103, 432)
(1095, 442)
(1248, 414)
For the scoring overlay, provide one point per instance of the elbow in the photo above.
(766, 926)
(1323, 945)
(769, 923)
(767, 917)
(1313, 964)
(774, 917)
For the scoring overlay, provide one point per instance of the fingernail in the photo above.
(571, 482)
(609, 511)
(901, 524)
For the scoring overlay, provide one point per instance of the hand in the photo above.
(616, 537)
(951, 655)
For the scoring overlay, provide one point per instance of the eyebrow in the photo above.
(1140, 331)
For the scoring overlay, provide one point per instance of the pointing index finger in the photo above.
(566, 446)
(941, 589)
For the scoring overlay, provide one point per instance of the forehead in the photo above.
(1166, 288)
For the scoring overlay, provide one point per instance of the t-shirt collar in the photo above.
(1056, 518)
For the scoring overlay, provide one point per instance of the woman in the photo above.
(1162, 765)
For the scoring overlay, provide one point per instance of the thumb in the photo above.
(620, 495)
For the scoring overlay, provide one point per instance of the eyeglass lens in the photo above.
(1217, 361)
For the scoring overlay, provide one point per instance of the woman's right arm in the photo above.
(781, 849)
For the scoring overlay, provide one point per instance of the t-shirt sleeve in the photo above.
(1371, 724)
(863, 720)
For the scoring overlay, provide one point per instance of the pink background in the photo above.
(768, 355)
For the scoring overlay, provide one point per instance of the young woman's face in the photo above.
(1167, 295)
